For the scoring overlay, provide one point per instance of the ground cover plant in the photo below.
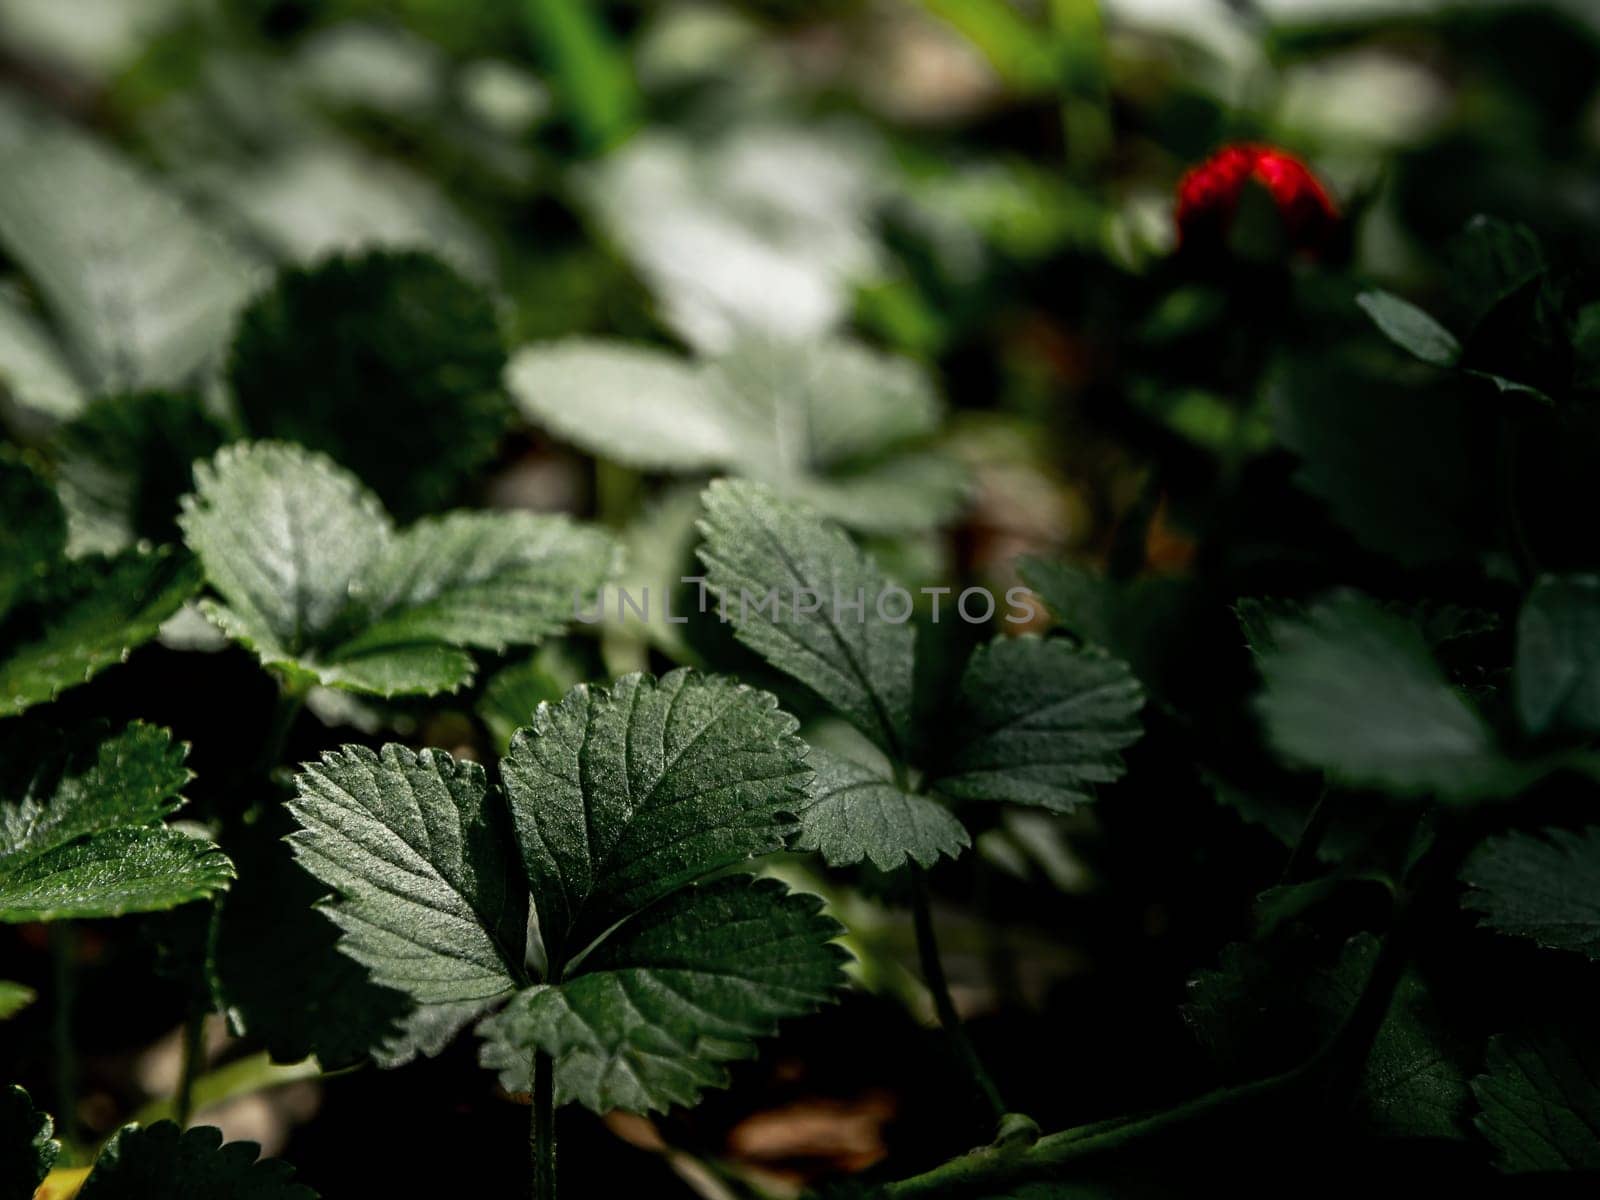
(745, 599)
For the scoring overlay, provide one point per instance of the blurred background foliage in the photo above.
(984, 187)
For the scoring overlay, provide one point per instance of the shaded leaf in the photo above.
(1039, 722)
(1354, 691)
(124, 464)
(1544, 886)
(89, 615)
(761, 550)
(161, 1161)
(854, 813)
(27, 1151)
(648, 1019)
(35, 372)
(280, 975)
(389, 363)
(1556, 678)
(1540, 1096)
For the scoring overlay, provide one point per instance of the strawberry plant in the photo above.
(760, 600)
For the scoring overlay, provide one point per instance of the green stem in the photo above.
(194, 1028)
(993, 1169)
(933, 976)
(63, 951)
(542, 1128)
(1310, 840)
(242, 1077)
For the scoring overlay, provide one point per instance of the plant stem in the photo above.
(242, 1077)
(63, 947)
(1310, 840)
(194, 1028)
(933, 975)
(542, 1131)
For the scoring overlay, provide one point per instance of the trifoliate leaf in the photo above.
(1556, 680)
(1353, 690)
(1543, 886)
(390, 363)
(125, 463)
(1413, 330)
(421, 858)
(280, 976)
(830, 423)
(621, 796)
(316, 580)
(162, 1162)
(81, 832)
(1038, 723)
(854, 813)
(27, 1151)
(648, 1019)
(35, 372)
(811, 603)
(14, 997)
(144, 295)
(1540, 1096)
(642, 407)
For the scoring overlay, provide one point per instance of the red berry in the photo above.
(1208, 197)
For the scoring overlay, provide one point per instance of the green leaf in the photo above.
(1400, 464)
(1354, 691)
(81, 831)
(1257, 1016)
(124, 464)
(1038, 723)
(88, 616)
(162, 1162)
(648, 1019)
(1585, 348)
(1540, 1096)
(421, 859)
(633, 405)
(1543, 886)
(145, 296)
(760, 550)
(514, 692)
(855, 813)
(1490, 259)
(14, 997)
(33, 530)
(830, 423)
(1413, 330)
(34, 371)
(1556, 678)
(389, 363)
(27, 1151)
(621, 796)
(280, 975)
(1130, 618)
(318, 583)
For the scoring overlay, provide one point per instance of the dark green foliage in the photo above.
(388, 363)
